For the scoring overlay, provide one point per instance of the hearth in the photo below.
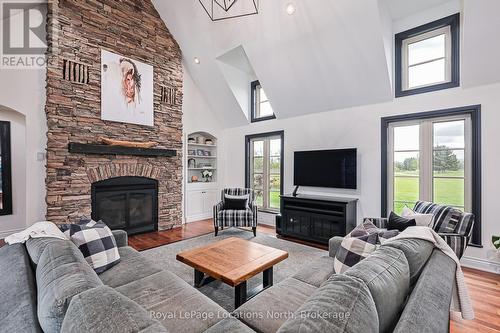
(128, 203)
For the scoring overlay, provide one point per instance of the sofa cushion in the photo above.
(229, 325)
(316, 272)
(176, 304)
(103, 309)
(132, 266)
(61, 273)
(267, 311)
(327, 308)
(227, 214)
(417, 252)
(36, 246)
(18, 291)
(387, 275)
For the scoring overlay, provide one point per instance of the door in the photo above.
(195, 203)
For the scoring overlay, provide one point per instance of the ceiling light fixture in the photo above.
(225, 9)
(196, 60)
(290, 9)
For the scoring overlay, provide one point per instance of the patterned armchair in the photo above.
(236, 218)
(453, 225)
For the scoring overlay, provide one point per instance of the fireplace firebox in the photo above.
(128, 203)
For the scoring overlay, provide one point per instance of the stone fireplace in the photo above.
(81, 183)
(127, 203)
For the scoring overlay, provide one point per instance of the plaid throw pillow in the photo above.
(353, 249)
(97, 243)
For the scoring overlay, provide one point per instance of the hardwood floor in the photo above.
(484, 288)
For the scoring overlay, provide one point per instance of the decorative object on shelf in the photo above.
(200, 152)
(191, 140)
(225, 9)
(191, 163)
(126, 90)
(209, 141)
(496, 242)
(112, 142)
(199, 140)
(194, 179)
(191, 152)
(205, 165)
(207, 175)
(207, 153)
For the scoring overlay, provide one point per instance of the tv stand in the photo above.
(316, 218)
(295, 191)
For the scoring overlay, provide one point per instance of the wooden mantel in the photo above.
(85, 148)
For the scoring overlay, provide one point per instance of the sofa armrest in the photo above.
(457, 242)
(217, 208)
(121, 237)
(333, 245)
(379, 222)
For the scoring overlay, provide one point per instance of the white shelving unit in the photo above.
(203, 194)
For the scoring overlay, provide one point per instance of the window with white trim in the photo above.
(261, 108)
(427, 57)
(430, 159)
(264, 160)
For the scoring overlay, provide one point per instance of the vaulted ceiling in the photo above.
(329, 54)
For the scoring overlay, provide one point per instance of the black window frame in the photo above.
(454, 22)
(6, 174)
(253, 104)
(474, 111)
(248, 139)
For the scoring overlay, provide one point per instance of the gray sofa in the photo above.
(404, 286)
(46, 285)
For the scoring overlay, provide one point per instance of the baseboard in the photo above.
(199, 217)
(481, 264)
(6, 233)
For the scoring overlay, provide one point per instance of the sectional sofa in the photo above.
(46, 285)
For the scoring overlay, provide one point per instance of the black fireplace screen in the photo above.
(128, 203)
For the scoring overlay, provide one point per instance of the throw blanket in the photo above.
(460, 301)
(37, 230)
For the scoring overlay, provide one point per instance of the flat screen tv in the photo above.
(326, 168)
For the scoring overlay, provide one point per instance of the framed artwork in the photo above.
(126, 90)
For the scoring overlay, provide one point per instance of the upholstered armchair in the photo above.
(453, 225)
(236, 218)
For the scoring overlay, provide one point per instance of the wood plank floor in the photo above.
(484, 287)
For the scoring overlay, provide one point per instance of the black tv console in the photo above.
(316, 218)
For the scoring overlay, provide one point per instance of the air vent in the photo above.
(168, 95)
(76, 72)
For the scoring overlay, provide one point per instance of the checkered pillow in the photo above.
(97, 243)
(354, 249)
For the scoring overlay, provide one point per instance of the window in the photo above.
(435, 157)
(261, 107)
(264, 168)
(5, 170)
(427, 57)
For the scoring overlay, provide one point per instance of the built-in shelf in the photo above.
(195, 156)
(201, 145)
(84, 148)
(201, 168)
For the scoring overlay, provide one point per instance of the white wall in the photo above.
(360, 128)
(12, 223)
(198, 117)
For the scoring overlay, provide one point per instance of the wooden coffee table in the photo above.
(233, 261)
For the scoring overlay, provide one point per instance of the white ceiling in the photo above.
(330, 54)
